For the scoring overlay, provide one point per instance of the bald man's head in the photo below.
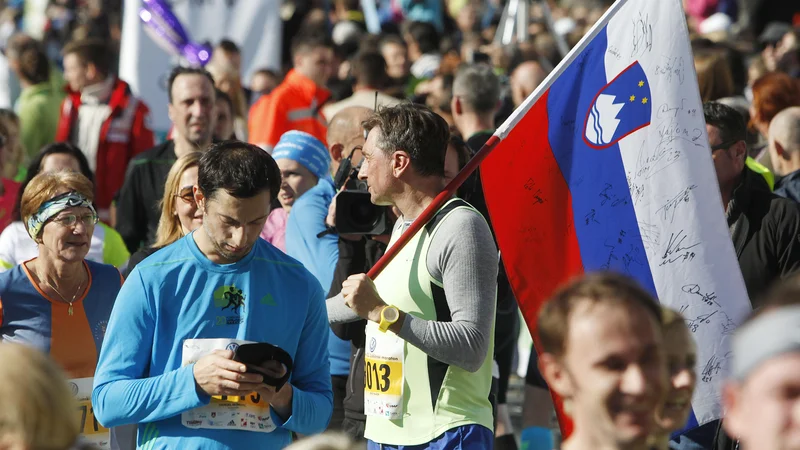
(784, 140)
(525, 78)
(345, 133)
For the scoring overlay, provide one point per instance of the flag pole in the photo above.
(487, 148)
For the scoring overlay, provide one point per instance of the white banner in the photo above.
(254, 25)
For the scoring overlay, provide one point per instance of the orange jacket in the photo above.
(123, 135)
(296, 104)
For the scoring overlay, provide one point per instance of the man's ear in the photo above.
(401, 163)
(781, 151)
(739, 151)
(731, 406)
(455, 105)
(556, 375)
(336, 152)
(199, 198)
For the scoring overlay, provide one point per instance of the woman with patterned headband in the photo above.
(59, 302)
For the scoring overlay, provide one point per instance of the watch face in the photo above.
(391, 314)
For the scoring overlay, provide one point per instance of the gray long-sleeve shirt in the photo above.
(463, 256)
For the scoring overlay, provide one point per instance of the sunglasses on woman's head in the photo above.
(186, 194)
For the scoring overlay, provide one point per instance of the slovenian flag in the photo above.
(606, 166)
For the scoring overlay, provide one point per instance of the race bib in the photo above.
(91, 431)
(383, 374)
(247, 413)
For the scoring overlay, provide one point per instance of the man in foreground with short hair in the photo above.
(430, 314)
(762, 400)
(184, 312)
(601, 347)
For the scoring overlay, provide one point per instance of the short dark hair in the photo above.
(602, 287)
(369, 69)
(180, 70)
(391, 39)
(228, 46)
(91, 51)
(33, 63)
(425, 35)
(415, 129)
(35, 166)
(243, 170)
(224, 97)
(727, 120)
(309, 40)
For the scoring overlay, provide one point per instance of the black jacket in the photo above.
(138, 209)
(766, 234)
(354, 257)
(789, 186)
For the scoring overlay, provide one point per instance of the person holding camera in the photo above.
(430, 314)
(219, 340)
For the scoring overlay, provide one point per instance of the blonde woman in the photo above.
(39, 410)
(681, 355)
(228, 80)
(179, 214)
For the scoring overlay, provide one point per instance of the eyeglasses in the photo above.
(187, 195)
(70, 220)
(723, 145)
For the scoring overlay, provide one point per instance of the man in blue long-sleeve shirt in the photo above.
(167, 364)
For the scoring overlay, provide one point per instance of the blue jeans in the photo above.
(468, 437)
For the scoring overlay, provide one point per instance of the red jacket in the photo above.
(123, 135)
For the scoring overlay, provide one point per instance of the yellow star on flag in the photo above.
(641, 83)
(644, 101)
(633, 97)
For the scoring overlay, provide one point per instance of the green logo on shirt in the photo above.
(229, 297)
(268, 300)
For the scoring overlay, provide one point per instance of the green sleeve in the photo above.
(114, 250)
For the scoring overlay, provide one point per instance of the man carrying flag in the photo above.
(430, 315)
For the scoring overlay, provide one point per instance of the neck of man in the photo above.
(587, 441)
(59, 274)
(792, 165)
(184, 146)
(726, 190)
(412, 201)
(471, 123)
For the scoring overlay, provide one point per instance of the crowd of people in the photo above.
(206, 289)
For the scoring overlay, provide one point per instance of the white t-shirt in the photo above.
(16, 246)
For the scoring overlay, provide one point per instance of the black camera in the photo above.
(355, 213)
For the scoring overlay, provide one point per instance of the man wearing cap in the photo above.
(762, 400)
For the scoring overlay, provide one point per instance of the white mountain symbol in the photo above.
(602, 122)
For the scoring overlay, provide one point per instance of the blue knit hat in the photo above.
(305, 149)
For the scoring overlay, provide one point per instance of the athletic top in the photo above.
(177, 305)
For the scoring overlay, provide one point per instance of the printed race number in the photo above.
(89, 424)
(383, 377)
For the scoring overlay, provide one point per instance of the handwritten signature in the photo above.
(642, 35)
(648, 164)
(669, 208)
(670, 131)
(650, 234)
(676, 251)
(709, 299)
(672, 66)
(667, 110)
(608, 196)
(714, 366)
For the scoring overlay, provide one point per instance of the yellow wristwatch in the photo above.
(389, 315)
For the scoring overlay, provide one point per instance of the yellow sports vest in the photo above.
(436, 397)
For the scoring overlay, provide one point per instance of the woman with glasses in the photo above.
(179, 214)
(59, 302)
(16, 246)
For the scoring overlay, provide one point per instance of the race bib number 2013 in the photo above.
(383, 374)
